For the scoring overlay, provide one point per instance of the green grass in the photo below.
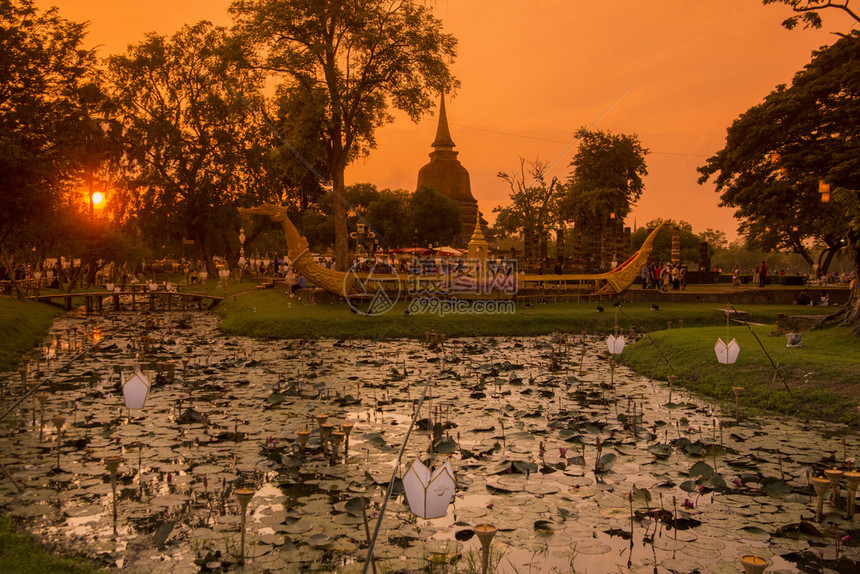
(23, 325)
(823, 374)
(272, 314)
(21, 553)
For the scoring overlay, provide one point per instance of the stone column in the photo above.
(676, 246)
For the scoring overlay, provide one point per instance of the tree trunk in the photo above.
(10, 266)
(849, 314)
(828, 254)
(341, 247)
(529, 248)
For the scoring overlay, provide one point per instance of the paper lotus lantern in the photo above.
(135, 389)
(727, 353)
(615, 344)
(429, 492)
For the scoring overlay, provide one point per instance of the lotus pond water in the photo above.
(579, 465)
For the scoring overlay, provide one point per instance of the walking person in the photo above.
(762, 274)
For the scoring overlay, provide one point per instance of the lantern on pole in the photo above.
(135, 389)
(429, 492)
(727, 353)
(615, 344)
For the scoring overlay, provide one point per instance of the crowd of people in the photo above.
(669, 276)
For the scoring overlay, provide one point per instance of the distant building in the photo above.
(447, 176)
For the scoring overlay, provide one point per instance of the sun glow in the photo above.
(98, 198)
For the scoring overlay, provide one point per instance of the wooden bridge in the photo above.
(94, 302)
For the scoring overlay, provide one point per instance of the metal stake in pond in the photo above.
(337, 438)
(821, 486)
(23, 372)
(325, 433)
(112, 463)
(834, 475)
(672, 379)
(582, 357)
(737, 391)
(485, 533)
(59, 421)
(244, 495)
(304, 435)
(347, 429)
(852, 481)
(43, 399)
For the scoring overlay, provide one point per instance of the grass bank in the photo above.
(823, 374)
(23, 325)
(270, 313)
(21, 553)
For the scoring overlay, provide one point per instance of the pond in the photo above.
(580, 465)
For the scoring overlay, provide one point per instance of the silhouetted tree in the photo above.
(192, 151)
(778, 152)
(351, 59)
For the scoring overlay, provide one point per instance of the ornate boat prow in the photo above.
(299, 252)
(351, 284)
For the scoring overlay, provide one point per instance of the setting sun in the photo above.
(98, 198)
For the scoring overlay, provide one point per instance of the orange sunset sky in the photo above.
(534, 71)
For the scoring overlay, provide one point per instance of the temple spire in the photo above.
(443, 135)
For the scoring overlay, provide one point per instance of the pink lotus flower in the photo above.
(563, 451)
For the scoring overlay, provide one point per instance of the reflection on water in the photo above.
(578, 467)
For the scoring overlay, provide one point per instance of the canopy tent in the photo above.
(448, 251)
(411, 251)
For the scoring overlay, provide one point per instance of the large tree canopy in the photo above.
(351, 60)
(606, 177)
(192, 151)
(777, 152)
(47, 82)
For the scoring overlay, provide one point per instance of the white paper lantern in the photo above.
(615, 344)
(727, 353)
(429, 492)
(135, 389)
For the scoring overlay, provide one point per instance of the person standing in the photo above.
(736, 276)
(762, 274)
(644, 274)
